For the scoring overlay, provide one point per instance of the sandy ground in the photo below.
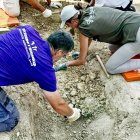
(110, 107)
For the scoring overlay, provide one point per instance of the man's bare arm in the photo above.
(35, 4)
(58, 103)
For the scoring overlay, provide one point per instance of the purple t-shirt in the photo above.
(26, 57)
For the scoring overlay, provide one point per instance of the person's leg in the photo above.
(9, 124)
(13, 120)
(11, 7)
(129, 7)
(9, 114)
(4, 114)
(121, 60)
(35, 4)
(113, 48)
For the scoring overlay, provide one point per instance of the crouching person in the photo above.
(26, 57)
(9, 115)
(12, 7)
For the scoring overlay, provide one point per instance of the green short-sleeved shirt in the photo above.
(109, 25)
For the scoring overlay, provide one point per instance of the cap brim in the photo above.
(62, 24)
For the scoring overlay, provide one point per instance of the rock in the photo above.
(73, 93)
(83, 78)
(92, 76)
(80, 86)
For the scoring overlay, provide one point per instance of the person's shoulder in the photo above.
(27, 27)
(89, 8)
(88, 12)
(92, 8)
(31, 30)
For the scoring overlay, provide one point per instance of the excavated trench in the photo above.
(110, 106)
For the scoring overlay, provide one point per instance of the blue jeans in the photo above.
(9, 115)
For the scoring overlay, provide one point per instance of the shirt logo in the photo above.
(34, 47)
(91, 17)
(29, 47)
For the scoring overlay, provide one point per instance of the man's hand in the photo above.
(76, 114)
(61, 107)
(47, 13)
(61, 67)
(55, 4)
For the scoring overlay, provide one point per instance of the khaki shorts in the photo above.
(11, 7)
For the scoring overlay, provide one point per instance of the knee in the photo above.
(12, 124)
(9, 124)
(109, 69)
(13, 119)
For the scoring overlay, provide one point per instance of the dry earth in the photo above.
(110, 107)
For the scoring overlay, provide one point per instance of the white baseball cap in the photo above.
(67, 12)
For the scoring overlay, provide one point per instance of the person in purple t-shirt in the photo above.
(26, 57)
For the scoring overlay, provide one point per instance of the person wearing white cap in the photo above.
(116, 27)
(124, 5)
(12, 7)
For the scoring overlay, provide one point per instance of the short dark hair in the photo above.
(61, 40)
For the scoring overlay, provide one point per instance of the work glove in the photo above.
(55, 4)
(76, 114)
(75, 55)
(47, 13)
(61, 67)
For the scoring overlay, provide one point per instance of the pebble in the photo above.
(80, 86)
(73, 93)
(18, 133)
